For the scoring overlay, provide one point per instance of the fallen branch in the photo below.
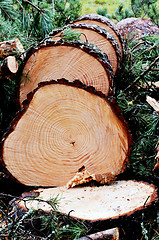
(112, 234)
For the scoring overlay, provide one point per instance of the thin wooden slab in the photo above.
(61, 129)
(104, 22)
(98, 36)
(121, 198)
(76, 60)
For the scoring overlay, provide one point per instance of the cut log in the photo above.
(10, 47)
(9, 66)
(98, 36)
(75, 60)
(110, 234)
(67, 127)
(137, 27)
(104, 22)
(96, 204)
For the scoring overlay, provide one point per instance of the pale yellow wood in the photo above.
(121, 198)
(68, 62)
(106, 27)
(63, 129)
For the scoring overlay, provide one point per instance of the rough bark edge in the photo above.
(111, 101)
(137, 27)
(11, 47)
(101, 222)
(99, 30)
(107, 21)
(86, 47)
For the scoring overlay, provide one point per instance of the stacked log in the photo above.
(70, 60)
(104, 22)
(67, 128)
(98, 36)
(71, 133)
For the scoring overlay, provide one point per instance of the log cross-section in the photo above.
(67, 128)
(76, 60)
(98, 36)
(96, 204)
(104, 22)
(9, 66)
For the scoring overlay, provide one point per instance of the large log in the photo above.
(76, 60)
(137, 27)
(68, 129)
(98, 36)
(104, 22)
(94, 204)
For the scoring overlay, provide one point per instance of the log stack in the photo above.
(69, 132)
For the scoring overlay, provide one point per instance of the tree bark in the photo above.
(11, 47)
(136, 27)
(98, 36)
(68, 128)
(104, 22)
(71, 60)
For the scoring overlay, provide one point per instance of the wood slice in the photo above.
(137, 27)
(100, 37)
(71, 60)
(9, 66)
(10, 47)
(94, 204)
(61, 129)
(104, 22)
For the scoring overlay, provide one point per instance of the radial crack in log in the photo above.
(94, 204)
(76, 60)
(67, 128)
(98, 36)
(83, 176)
(104, 22)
